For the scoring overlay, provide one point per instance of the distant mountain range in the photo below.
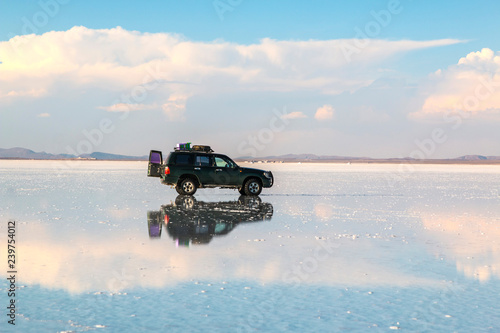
(478, 158)
(329, 158)
(311, 157)
(23, 153)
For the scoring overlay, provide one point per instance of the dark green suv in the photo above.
(199, 167)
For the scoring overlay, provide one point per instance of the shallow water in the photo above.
(331, 247)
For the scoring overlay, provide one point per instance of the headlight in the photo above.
(268, 174)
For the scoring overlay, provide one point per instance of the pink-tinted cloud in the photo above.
(294, 115)
(326, 112)
(470, 88)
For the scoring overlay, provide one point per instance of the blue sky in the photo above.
(357, 78)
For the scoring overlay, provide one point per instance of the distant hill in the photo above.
(105, 156)
(478, 158)
(333, 158)
(312, 157)
(23, 153)
(18, 152)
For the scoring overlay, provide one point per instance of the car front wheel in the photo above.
(187, 187)
(252, 187)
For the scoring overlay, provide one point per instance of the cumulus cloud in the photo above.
(471, 87)
(164, 64)
(326, 112)
(294, 115)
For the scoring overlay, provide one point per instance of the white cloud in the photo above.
(174, 108)
(471, 87)
(326, 112)
(24, 93)
(125, 107)
(294, 115)
(367, 114)
(163, 64)
(44, 115)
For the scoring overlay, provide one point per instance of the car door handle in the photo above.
(197, 168)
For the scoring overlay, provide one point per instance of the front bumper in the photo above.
(268, 181)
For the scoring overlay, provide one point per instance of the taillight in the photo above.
(166, 219)
(167, 171)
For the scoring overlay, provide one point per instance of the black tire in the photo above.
(241, 190)
(187, 186)
(253, 186)
(178, 189)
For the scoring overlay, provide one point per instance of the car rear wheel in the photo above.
(252, 187)
(187, 187)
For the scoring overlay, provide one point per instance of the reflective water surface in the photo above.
(330, 247)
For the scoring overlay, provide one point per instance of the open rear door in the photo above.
(155, 162)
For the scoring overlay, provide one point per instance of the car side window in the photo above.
(202, 160)
(221, 162)
(184, 159)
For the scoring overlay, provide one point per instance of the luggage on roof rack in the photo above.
(183, 146)
(187, 147)
(205, 149)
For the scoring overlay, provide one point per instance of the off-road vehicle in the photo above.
(189, 168)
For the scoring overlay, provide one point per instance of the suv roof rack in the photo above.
(205, 149)
(187, 147)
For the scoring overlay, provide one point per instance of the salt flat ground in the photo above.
(348, 248)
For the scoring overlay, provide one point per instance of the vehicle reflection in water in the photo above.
(189, 221)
